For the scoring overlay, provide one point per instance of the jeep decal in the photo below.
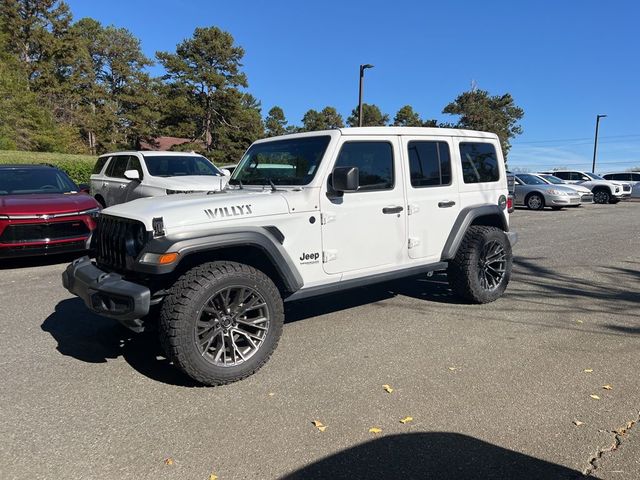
(230, 211)
(309, 258)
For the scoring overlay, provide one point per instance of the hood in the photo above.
(190, 209)
(578, 188)
(45, 203)
(561, 188)
(203, 183)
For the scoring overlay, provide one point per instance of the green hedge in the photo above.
(78, 167)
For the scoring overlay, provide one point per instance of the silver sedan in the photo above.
(535, 193)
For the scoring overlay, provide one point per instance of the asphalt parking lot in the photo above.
(495, 391)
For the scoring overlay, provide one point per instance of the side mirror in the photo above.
(225, 172)
(132, 175)
(84, 188)
(345, 179)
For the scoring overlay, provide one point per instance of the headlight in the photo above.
(92, 212)
(553, 191)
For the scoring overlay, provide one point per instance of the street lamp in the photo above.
(595, 143)
(362, 69)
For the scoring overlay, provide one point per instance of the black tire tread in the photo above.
(176, 305)
(459, 268)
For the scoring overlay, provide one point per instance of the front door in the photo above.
(365, 229)
(433, 200)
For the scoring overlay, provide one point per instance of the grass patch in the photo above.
(78, 167)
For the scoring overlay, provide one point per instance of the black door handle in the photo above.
(391, 210)
(446, 204)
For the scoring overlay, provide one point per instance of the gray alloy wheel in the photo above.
(232, 326)
(492, 265)
(601, 196)
(535, 201)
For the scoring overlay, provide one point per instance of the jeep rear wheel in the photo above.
(221, 322)
(481, 269)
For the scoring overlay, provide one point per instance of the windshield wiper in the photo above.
(273, 187)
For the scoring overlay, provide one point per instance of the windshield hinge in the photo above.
(327, 217)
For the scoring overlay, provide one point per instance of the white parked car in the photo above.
(633, 178)
(305, 215)
(604, 191)
(124, 176)
(586, 195)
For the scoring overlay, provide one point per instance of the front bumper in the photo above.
(562, 200)
(107, 293)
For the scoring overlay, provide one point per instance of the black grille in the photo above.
(35, 232)
(117, 241)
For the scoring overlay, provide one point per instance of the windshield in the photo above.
(552, 179)
(593, 176)
(179, 166)
(282, 162)
(23, 181)
(529, 179)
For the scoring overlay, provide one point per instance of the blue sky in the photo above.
(563, 61)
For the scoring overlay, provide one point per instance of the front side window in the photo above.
(479, 162)
(429, 163)
(179, 166)
(134, 164)
(293, 161)
(117, 166)
(99, 165)
(374, 161)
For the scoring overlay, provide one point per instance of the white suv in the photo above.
(124, 176)
(304, 215)
(604, 191)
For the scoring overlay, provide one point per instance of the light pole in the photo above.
(595, 142)
(362, 69)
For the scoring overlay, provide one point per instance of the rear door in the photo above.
(433, 201)
(365, 230)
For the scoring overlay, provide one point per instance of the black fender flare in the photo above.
(266, 239)
(465, 218)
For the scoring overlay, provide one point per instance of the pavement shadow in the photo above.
(434, 289)
(95, 339)
(432, 455)
(39, 261)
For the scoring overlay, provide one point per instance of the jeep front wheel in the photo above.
(481, 269)
(221, 322)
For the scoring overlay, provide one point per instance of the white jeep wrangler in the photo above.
(304, 215)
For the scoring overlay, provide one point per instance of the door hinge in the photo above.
(413, 242)
(327, 217)
(329, 255)
(412, 208)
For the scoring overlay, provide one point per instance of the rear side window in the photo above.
(619, 176)
(635, 177)
(117, 166)
(99, 165)
(479, 162)
(429, 164)
(562, 175)
(374, 161)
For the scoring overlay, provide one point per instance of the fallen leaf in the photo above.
(453, 369)
(577, 423)
(588, 370)
(319, 425)
(271, 394)
(387, 388)
(406, 420)
(213, 476)
(168, 461)
(607, 387)
(595, 397)
(579, 321)
(375, 430)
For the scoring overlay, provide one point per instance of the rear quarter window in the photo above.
(479, 162)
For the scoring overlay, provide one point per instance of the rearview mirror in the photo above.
(345, 179)
(132, 175)
(226, 172)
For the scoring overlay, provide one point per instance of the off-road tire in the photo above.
(531, 205)
(601, 196)
(464, 270)
(181, 311)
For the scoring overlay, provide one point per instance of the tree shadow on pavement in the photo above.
(432, 455)
(94, 339)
